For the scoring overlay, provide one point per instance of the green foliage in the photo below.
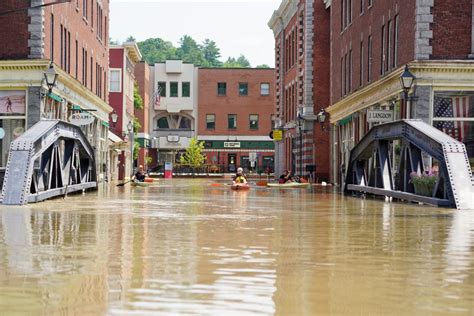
(136, 125)
(155, 50)
(241, 62)
(136, 149)
(207, 54)
(148, 160)
(263, 66)
(130, 39)
(137, 98)
(193, 155)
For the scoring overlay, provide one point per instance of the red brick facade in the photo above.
(14, 30)
(452, 29)
(142, 76)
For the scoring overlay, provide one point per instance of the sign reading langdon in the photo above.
(231, 144)
(81, 118)
(379, 116)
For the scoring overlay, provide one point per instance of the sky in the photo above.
(237, 27)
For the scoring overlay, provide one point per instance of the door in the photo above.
(231, 160)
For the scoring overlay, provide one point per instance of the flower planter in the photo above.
(423, 189)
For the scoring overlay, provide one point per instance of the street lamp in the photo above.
(406, 81)
(131, 137)
(50, 76)
(322, 115)
(114, 117)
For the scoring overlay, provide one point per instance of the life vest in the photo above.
(240, 179)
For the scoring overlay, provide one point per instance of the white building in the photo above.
(174, 111)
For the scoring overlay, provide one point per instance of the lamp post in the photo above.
(50, 76)
(131, 137)
(406, 81)
(322, 115)
(114, 118)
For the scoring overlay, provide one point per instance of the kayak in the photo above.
(288, 185)
(240, 186)
(140, 184)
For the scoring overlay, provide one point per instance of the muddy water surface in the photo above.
(194, 247)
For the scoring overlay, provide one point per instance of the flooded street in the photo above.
(195, 247)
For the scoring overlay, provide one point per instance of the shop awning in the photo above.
(345, 120)
(55, 97)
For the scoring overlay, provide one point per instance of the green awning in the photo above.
(76, 107)
(345, 120)
(105, 123)
(55, 97)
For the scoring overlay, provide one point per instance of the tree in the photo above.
(211, 53)
(193, 155)
(137, 98)
(189, 51)
(263, 66)
(241, 62)
(130, 39)
(155, 50)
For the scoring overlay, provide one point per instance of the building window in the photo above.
(388, 63)
(264, 89)
(361, 6)
(232, 121)
(253, 121)
(185, 89)
(221, 88)
(370, 3)
(210, 121)
(77, 57)
(173, 89)
(361, 64)
(163, 123)
(84, 9)
(115, 78)
(51, 44)
(346, 13)
(369, 58)
(243, 88)
(162, 88)
(382, 51)
(350, 71)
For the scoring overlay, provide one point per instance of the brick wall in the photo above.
(210, 103)
(452, 29)
(142, 76)
(76, 23)
(14, 30)
(365, 24)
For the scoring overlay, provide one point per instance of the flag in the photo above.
(157, 97)
(451, 108)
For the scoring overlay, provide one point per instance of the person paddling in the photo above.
(239, 177)
(139, 175)
(285, 177)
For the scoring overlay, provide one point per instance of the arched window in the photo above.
(174, 121)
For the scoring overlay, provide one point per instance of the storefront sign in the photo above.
(231, 144)
(81, 118)
(379, 116)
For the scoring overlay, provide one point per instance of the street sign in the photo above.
(277, 134)
(379, 116)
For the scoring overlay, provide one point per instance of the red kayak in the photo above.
(240, 186)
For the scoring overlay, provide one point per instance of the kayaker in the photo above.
(140, 174)
(239, 177)
(285, 177)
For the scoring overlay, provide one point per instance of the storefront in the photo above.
(442, 95)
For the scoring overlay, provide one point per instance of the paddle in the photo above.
(124, 183)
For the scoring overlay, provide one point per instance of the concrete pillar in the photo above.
(421, 106)
(34, 106)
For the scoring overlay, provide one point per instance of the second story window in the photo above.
(221, 88)
(115, 80)
(173, 89)
(243, 88)
(253, 121)
(232, 121)
(162, 88)
(264, 89)
(210, 121)
(185, 89)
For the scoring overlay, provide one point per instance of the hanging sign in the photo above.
(379, 116)
(81, 118)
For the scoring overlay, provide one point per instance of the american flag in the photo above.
(449, 108)
(157, 97)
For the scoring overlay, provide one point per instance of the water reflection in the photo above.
(190, 247)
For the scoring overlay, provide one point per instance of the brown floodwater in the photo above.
(195, 247)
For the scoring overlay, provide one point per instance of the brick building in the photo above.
(144, 81)
(234, 117)
(372, 41)
(73, 37)
(301, 29)
(123, 59)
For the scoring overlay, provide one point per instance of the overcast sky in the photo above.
(238, 27)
